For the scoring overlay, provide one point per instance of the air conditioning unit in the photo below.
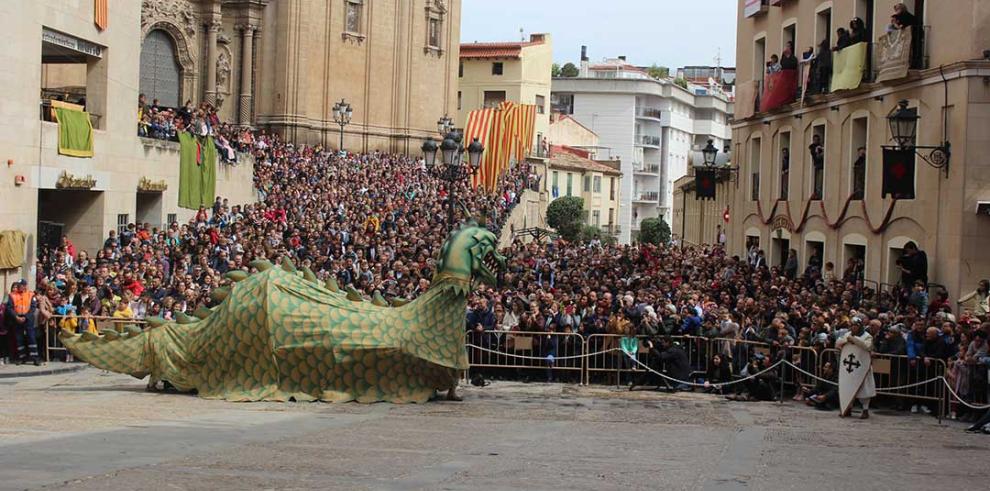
(983, 207)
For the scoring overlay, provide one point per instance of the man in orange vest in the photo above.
(20, 309)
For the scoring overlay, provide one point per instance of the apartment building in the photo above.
(650, 125)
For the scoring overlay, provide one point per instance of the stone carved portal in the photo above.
(177, 19)
(223, 73)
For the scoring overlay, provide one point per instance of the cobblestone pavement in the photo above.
(91, 430)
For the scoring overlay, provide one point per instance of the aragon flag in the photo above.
(704, 184)
(898, 173)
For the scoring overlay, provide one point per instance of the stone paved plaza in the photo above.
(91, 430)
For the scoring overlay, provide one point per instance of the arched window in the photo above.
(160, 69)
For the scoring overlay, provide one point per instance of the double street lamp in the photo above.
(451, 167)
(342, 113)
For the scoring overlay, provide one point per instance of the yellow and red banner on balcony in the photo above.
(75, 131)
(779, 88)
(847, 67)
(507, 132)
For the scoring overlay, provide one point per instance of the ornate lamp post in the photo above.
(451, 167)
(342, 112)
(904, 130)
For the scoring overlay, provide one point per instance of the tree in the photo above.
(654, 231)
(564, 215)
(555, 70)
(569, 70)
(681, 82)
(658, 72)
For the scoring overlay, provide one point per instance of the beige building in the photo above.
(128, 179)
(596, 182)
(284, 64)
(490, 73)
(780, 211)
(567, 131)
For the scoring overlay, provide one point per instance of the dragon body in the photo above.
(280, 335)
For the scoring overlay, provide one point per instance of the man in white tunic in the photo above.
(855, 369)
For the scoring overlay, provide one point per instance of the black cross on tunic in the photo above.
(851, 363)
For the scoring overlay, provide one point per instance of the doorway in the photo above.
(148, 209)
(856, 254)
(78, 212)
(779, 249)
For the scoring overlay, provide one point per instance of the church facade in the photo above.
(283, 64)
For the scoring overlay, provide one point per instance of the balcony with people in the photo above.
(853, 60)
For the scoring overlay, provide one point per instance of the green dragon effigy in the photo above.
(280, 335)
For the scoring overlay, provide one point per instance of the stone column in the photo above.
(247, 66)
(212, 29)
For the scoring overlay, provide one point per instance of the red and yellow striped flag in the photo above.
(506, 131)
(101, 14)
(479, 125)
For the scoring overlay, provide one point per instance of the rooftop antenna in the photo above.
(522, 37)
(718, 58)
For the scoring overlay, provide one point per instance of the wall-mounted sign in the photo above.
(782, 222)
(69, 181)
(71, 42)
(148, 186)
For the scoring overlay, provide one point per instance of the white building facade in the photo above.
(650, 125)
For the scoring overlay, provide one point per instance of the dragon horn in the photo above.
(220, 294)
(287, 265)
(202, 312)
(331, 284)
(353, 295)
(109, 334)
(156, 321)
(378, 299)
(261, 264)
(309, 276)
(399, 302)
(182, 318)
(236, 275)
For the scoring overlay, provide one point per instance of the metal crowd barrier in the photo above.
(519, 352)
(606, 358)
(895, 376)
(53, 345)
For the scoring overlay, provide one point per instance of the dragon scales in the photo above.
(279, 334)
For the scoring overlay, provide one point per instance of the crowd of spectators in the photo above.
(371, 221)
(652, 291)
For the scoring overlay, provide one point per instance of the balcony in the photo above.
(648, 112)
(648, 140)
(641, 168)
(648, 196)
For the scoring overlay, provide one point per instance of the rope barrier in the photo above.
(964, 403)
(731, 382)
(816, 377)
(541, 358)
(706, 384)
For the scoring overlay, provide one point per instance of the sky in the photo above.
(670, 33)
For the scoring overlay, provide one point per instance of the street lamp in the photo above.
(451, 168)
(342, 113)
(709, 159)
(903, 124)
(709, 153)
(445, 125)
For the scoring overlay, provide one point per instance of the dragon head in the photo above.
(470, 253)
